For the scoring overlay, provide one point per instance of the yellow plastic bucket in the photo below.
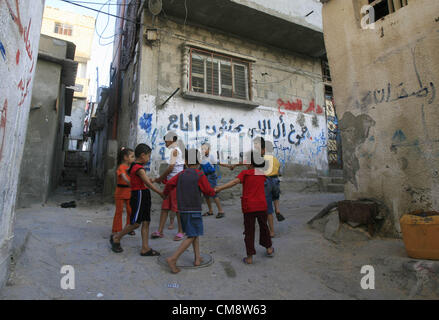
(420, 232)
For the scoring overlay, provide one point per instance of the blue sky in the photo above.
(102, 54)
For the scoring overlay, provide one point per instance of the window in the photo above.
(385, 7)
(82, 70)
(64, 29)
(219, 75)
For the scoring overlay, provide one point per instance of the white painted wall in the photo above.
(310, 151)
(77, 118)
(292, 10)
(19, 40)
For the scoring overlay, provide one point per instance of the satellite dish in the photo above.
(155, 6)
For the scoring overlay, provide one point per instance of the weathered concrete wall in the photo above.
(38, 156)
(280, 81)
(19, 35)
(297, 11)
(385, 87)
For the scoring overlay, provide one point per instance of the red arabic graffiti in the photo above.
(312, 108)
(297, 106)
(24, 31)
(24, 88)
(3, 117)
(294, 106)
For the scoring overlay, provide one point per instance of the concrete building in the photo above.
(78, 29)
(241, 68)
(47, 135)
(19, 35)
(385, 72)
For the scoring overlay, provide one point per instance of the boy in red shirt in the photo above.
(188, 184)
(254, 207)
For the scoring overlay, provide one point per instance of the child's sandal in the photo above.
(156, 235)
(150, 253)
(207, 214)
(270, 255)
(115, 247)
(280, 217)
(179, 237)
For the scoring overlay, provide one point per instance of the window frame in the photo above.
(63, 27)
(225, 58)
(390, 4)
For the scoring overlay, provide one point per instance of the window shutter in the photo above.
(226, 79)
(240, 82)
(212, 76)
(198, 73)
(218, 75)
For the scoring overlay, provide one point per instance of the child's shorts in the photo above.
(212, 178)
(170, 203)
(140, 203)
(192, 224)
(272, 192)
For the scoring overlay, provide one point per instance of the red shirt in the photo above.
(136, 182)
(253, 191)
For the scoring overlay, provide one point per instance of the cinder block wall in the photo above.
(279, 78)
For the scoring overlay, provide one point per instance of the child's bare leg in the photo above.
(171, 220)
(163, 218)
(209, 204)
(218, 205)
(145, 232)
(276, 206)
(129, 228)
(180, 228)
(271, 224)
(172, 260)
(197, 256)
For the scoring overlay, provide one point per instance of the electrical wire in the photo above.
(99, 3)
(96, 10)
(100, 35)
(185, 18)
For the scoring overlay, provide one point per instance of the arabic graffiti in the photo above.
(2, 51)
(297, 106)
(294, 141)
(24, 31)
(392, 93)
(3, 119)
(24, 83)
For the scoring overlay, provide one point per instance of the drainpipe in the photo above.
(116, 100)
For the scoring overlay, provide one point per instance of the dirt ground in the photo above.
(306, 265)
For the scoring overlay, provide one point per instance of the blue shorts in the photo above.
(192, 223)
(272, 192)
(212, 178)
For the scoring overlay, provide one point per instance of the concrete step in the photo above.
(335, 188)
(301, 184)
(337, 180)
(336, 173)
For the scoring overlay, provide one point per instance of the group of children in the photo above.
(187, 176)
